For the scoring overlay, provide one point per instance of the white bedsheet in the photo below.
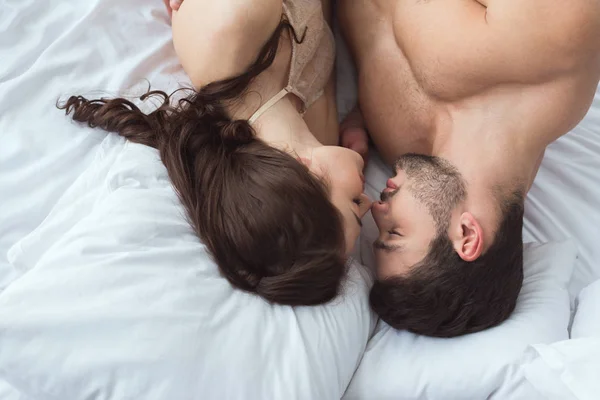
(564, 201)
(104, 290)
(50, 49)
(587, 320)
(117, 298)
(54, 48)
(9, 392)
(566, 370)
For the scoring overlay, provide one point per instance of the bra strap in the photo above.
(282, 93)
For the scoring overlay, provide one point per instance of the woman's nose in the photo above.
(366, 204)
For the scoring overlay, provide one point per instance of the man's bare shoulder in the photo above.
(571, 27)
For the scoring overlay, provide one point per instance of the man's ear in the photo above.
(469, 241)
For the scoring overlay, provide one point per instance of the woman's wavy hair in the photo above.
(267, 221)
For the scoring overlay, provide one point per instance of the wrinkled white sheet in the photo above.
(8, 392)
(104, 290)
(587, 319)
(53, 48)
(50, 49)
(565, 370)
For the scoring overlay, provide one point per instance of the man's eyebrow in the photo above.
(357, 220)
(388, 248)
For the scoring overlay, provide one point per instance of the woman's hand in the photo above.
(172, 5)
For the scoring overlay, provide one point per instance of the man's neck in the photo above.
(493, 162)
(500, 155)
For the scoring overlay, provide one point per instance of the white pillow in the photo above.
(117, 299)
(566, 370)
(587, 319)
(402, 365)
(9, 392)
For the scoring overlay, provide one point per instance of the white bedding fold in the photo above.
(587, 319)
(567, 370)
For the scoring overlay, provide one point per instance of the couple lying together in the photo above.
(460, 96)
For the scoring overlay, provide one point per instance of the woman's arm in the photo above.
(215, 40)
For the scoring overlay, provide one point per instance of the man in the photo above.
(478, 89)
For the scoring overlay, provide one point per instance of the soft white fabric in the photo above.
(587, 319)
(51, 49)
(119, 307)
(566, 370)
(401, 365)
(9, 392)
(563, 201)
(105, 292)
(118, 299)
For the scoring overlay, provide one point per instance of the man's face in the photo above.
(414, 208)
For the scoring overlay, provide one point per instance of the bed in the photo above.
(105, 293)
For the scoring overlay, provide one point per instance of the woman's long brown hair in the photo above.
(266, 220)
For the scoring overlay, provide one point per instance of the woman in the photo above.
(278, 210)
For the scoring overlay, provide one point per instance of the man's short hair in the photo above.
(445, 296)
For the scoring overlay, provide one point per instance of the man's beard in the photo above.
(434, 182)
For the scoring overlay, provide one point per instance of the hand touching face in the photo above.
(172, 5)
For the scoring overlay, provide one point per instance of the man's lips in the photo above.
(390, 187)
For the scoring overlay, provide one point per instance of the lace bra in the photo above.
(312, 59)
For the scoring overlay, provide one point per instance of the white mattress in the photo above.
(54, 48)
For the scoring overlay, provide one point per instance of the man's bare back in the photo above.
(519, 67)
